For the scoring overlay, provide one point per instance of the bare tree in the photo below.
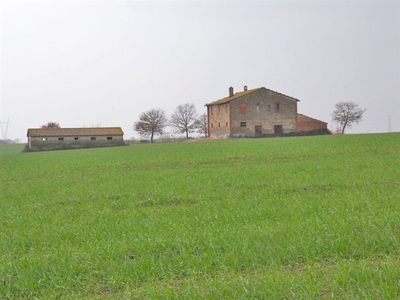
(346, 114)
(51, 125)
(201, 125)
(183, 118)
(151, 122)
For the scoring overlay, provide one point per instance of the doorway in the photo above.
(278, 129)
(258, 130)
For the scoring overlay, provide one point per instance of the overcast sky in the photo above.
(102, 63)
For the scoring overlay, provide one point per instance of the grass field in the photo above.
(302, 217)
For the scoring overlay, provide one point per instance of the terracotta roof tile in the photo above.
(86, 131)
(244, 93)
(311, 118)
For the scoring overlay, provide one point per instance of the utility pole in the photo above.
(4, 129)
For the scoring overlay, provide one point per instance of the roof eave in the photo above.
(245, 93)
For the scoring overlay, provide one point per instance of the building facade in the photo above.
(255, 113)
(72, 138)
(252, 113)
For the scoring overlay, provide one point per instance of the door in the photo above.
(258, 130)
(278, 129)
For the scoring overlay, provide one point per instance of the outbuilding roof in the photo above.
(311, 118)
(85, 131)
(244, 93)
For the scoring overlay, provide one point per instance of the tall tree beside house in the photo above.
(183, 118)
(51, 125)
(201, 125)
(346, 114)
(151, 123)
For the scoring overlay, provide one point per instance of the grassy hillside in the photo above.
(304, 217)
(11, 148)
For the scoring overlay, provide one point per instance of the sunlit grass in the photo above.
(305, 217)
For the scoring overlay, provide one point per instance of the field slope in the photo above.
(303, 217)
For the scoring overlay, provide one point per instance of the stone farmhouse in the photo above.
(257, 112)
(72, 138)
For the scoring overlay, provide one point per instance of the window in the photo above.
(60, 138)
(93, 138)
(226, 124)
(277, 107)
(243, 108)
(76, 138)
(109, 138)
(212, 125)
(243, 124)
(44, 139)
(219, 124)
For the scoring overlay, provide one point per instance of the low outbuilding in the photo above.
(72, 138)
(307, 124)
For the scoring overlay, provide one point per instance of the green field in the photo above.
(280, 218)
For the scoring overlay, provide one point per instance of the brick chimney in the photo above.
(230, 91)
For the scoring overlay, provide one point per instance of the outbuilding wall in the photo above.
(72, 142)
(305, 124)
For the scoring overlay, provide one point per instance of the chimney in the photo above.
(245, 88)
(230, 91)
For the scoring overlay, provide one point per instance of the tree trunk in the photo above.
(344, 127)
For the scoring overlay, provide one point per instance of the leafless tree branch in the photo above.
(183, 118)
(151, 122)
(346, 114)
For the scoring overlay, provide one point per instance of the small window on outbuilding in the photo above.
(226, 124)
(60, 138)
(76, 138)
(93, 138)
(243, 124)
(109, 138)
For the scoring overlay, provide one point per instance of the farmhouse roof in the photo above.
(86, 131)
(244, 93)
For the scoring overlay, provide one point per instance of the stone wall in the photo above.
(259, 113)
(219, 120)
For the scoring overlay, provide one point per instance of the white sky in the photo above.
(102, 63)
